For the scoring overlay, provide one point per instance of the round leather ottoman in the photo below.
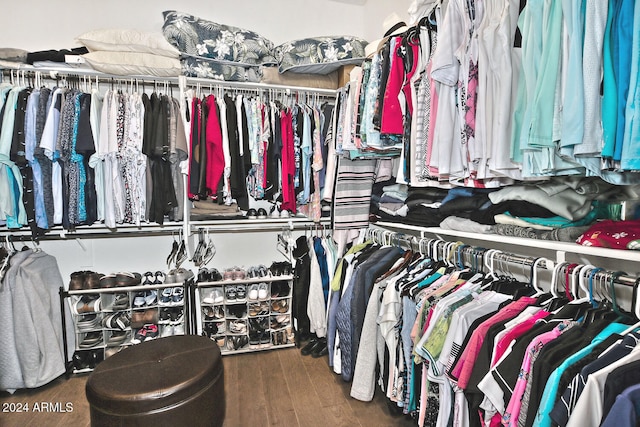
(172, 381)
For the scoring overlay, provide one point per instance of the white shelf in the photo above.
(560, 248)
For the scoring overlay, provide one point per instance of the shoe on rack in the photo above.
(87, 304)
(170, 277)
(241, 292)
(92, 280)
(117, 338)
(152, 332)
(210, 329)
(237, 311)
(108, 281)
(177, 315)
(263, 290)
(125, 279)
(237, 327)
(280, 289)
(80, 361)
(139, 318)
(230, 292)
(77, 280)
(177, 296)
(265, 337)
(150, 297)
(203, 275)
(183, 274)
(213, 296)
(120, 302)
(166, 297)
(120, 320)
(262, 213)
(148, 278)
(146, 333)
(167, 331)
(239, 273)
(178, 329)
(91, 339)
(229, 274)
(254, 338)
(252, 213)
(279, 306)
(165, 316)
(88, 322)
(221, 342)
(253, 292)
(159, 278)
(214, 275)
(139, 300)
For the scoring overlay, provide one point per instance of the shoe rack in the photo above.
(106, 320)
(247, 314)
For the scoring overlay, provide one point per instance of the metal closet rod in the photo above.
(127, 230)
(55, 73)
(408, 242)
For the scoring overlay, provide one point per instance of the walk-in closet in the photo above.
(308, 213)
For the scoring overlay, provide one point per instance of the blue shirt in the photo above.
(543, 418)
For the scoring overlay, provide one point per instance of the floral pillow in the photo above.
(320, 55)
(194, 36)
(211, 69)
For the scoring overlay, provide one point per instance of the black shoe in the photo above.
(308, 349)
(321, 349)
(262, 213)
(80, 360)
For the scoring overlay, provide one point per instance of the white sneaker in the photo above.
(263, 291)
(214, 296)
(168, 330)
(178, 329)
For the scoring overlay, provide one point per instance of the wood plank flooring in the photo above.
(271, 388)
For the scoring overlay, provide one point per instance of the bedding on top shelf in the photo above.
(130, 52)
(320, 55)
(217, 51)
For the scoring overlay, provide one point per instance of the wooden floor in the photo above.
(271, 388)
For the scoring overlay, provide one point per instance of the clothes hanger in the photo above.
(210, 249)
(635, 308)
(181, 255)
(174, 250)
(612, 293)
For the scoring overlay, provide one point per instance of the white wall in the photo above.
(149, 253)
(54, 24)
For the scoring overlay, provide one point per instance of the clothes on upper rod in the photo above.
(71, 157)
(249, 146)
(482, 94)
(455, 347)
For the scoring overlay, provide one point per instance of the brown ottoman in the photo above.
(172, 381)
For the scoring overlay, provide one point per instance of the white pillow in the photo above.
(117, 40)
(133, 63)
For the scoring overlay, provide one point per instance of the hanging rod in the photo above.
(54, 73)
(377, 232)
(97, 231)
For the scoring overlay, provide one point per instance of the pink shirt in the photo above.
(510, 416)
(462, 370)
(516, 333)
(391, 119)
